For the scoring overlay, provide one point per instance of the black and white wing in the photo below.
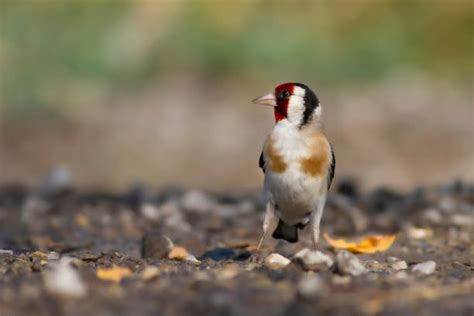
(261, 162)
(332, 168)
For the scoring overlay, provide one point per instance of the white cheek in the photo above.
(295, 109)
(296, 105)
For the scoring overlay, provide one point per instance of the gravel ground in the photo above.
(188, 252)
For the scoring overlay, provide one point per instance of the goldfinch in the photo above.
(298, 163)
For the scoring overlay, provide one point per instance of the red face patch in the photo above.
(282, 95)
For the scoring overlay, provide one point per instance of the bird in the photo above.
(298, 163)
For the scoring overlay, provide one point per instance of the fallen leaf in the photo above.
(178, 253)
(114, 274)
(370, 244)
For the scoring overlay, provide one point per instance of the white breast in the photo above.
(294, 193)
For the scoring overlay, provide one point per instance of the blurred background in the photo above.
(159, 91)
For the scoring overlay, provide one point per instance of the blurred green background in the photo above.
(158, 90)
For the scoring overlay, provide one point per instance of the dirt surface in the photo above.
(55, 239)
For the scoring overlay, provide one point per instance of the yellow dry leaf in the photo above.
(178, 253)
(113, 274)
(370, 244)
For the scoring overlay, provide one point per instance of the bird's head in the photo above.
(294, 102)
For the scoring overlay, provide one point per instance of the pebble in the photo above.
(313, 260)
(276, 261)
(397, 264)
(309, 286)
(192, 259)
(348, 264)
(156, 245)
(426, 267)
(64, 280)
(375, 266)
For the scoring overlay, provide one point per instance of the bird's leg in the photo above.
(316, 220)
(270, 222)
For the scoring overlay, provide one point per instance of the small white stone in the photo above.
(64, 280)
(192, 259)
(426, 267)
(6, 252)
(300, 254)
(375, 266)
(314, 259)
(347, 263)
(399, 265)
(276, 261)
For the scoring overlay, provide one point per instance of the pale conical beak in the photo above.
(267, 99)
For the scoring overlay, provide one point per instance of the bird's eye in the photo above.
(285, 94)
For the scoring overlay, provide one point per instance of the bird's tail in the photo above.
(287, 232)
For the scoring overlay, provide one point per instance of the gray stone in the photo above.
(276, 261)
(155, 245)
(375, 266)
(399, 265)
(313, 260)
(192, 259)
(348, 264)
(426, 267)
